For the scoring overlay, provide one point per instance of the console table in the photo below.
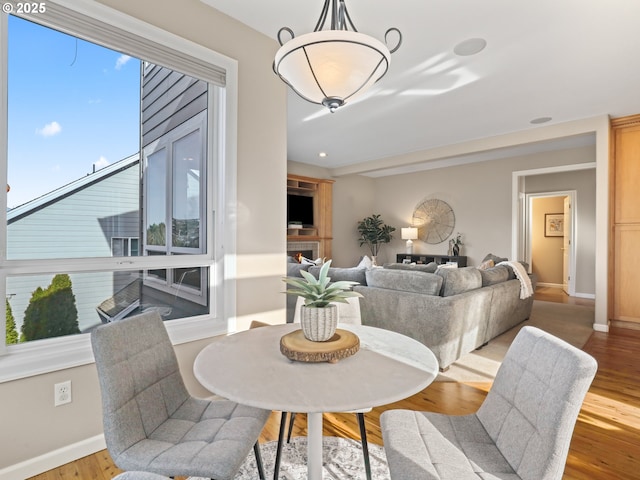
(427, 258)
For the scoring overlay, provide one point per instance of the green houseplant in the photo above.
(374, 233)
(319, 315)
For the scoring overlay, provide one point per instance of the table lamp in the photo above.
(409, 234)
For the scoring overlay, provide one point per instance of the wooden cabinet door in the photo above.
(627, 175)
(627, 273)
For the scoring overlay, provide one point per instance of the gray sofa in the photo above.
(452, 311)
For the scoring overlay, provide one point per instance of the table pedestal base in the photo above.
(314, 446)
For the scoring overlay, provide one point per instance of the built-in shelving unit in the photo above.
(320, 190)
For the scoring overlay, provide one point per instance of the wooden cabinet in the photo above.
(320, 190)
(624, 301)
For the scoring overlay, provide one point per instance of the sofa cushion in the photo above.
(408, 281)
(336, 274)
(493, 275)
(294, 268)
(459, 280)
(430, 267)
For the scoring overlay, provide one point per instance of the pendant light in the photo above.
(331, 67)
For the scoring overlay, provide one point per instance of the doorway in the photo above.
(549, 236)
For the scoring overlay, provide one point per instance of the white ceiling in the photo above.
(565, 59)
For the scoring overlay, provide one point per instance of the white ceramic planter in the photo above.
(319, 324)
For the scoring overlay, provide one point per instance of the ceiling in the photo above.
(568, 60)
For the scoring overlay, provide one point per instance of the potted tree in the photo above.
(374, 233)
(319, 314)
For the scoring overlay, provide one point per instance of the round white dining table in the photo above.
(248, 368)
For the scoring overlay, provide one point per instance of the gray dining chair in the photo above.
(521, 431)
(151, 423)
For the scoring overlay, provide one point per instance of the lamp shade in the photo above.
(330, 67)
(409, 233)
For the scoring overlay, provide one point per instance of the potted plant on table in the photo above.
(319, 314)
(374, 233)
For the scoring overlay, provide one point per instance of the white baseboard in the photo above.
(598, 327)
(550, 285)
(54, 459)
(590, 296)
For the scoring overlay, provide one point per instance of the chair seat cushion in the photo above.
(431, 446)
(198, 431)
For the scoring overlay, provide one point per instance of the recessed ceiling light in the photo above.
(470, 46)
(539, 120)
(322, 154)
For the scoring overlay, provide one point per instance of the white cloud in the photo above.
(49, 130)
(101, 163)
(121, 61)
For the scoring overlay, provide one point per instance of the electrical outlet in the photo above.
(62, 393)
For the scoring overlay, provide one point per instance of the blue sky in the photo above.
(72, 104)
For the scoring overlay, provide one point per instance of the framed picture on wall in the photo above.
(554, 225)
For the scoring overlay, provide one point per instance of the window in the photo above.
(124, 246)
(154, 205)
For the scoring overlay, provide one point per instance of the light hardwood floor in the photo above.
(606, 440)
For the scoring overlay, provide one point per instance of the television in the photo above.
(300, 210)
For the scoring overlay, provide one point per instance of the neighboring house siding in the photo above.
(77, 224)
(169, 99)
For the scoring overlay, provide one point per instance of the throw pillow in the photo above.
(486, 264)
(495, 258)
(365, 262)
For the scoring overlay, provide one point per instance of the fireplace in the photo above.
(308, 250)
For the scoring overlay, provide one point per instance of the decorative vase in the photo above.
(456, 250)
(374, 260)
(319, 324)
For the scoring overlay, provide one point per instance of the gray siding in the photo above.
(169, 98)
(79, 224)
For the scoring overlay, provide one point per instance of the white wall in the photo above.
(42, 436)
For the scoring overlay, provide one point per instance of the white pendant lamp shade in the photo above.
(331, 67)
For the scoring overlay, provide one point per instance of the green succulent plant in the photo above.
(320, 292)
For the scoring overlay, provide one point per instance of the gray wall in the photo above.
(480, 195)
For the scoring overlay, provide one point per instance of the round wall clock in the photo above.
(435, 220)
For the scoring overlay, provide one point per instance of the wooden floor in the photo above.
(606, 440)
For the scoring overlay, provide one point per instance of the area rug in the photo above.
(572, 323)
(342, 460)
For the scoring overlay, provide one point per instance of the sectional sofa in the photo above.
(453, 311)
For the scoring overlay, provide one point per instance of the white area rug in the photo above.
(342, 460)
(572, 323)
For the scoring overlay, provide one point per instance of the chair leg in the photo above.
(283, 421)
(365, 445)
(256, 451)
(292, 419)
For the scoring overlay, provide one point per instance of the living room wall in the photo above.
(38, 435)
(480, 195)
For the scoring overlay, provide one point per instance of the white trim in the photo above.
(598, 327)
(572, 194)
(589, 296)
(53, 459)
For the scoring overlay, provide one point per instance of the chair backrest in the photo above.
(347, 312)
(532, 407)
(139, 377)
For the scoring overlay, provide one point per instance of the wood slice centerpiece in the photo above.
(296, 347)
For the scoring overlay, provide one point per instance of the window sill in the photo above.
(45, 356)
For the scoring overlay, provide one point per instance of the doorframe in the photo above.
(529, 198)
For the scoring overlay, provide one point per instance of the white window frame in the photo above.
(43, 356)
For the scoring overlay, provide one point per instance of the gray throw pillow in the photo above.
(352, 274)
(496, 259)
(493, 275)
(293, 269)
(459, 280)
